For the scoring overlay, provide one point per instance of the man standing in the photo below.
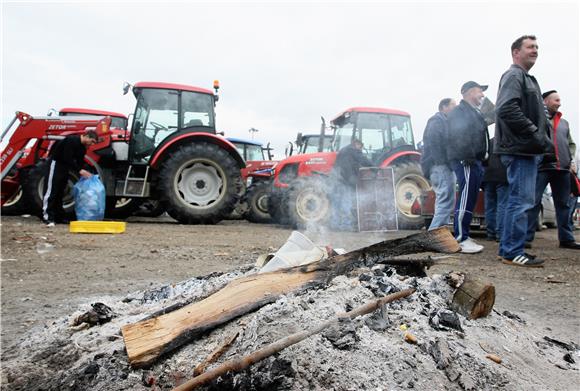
(557, 174)
(436, 166)
(66, 155)
(467, 148)
(349, 161)
(521, 140)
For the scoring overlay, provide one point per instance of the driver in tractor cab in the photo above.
(346, 168)
(66, 155)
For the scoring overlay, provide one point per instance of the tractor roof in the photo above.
(76, 110)
(371, 110)
(171, 86)
(243, 141)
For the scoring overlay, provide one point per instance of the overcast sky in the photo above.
(281, 65)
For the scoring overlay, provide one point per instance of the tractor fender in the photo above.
(403, 155)
(187, 138)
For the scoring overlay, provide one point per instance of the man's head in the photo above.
(472, 93)
(89, 138)
(357, 143)
(446, 105)
(525, 51)
(552, 101)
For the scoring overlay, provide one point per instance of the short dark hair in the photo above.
(520, 41)
(92, 135)
(444, 103)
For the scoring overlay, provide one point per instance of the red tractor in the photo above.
(17, 203)
(257, 178)
(300, 192)
(172, 153)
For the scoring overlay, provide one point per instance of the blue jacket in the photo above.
(434, 143)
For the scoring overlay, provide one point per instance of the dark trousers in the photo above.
(54, 186)
(469, 179)
(559, 181)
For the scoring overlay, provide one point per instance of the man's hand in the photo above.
(85, 174)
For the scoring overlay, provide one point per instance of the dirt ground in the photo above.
(46, 273)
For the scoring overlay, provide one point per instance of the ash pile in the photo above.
(422, 341)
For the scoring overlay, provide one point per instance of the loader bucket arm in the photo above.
(44, 128)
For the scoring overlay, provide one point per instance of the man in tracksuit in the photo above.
(521, 140)
(66, 155)
(467, 148)
(557, 174)
(436, 165)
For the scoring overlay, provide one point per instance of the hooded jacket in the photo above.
(521, 125)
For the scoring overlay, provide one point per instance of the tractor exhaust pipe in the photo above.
(322, 131)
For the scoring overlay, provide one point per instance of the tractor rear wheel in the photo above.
(409, 183)
(33, 189)
(278, 206)
(309, 203)
(257, 200)
(200, 183)
(15, 205)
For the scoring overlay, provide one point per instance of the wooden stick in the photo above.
(216, 354)
(244, 362)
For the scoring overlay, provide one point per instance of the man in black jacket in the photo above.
(521, 138)
(467, 148)
(66, 155)
(436, 165)
(557, 174)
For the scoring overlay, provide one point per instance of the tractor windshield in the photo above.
(379, 132)
(157, 117)
(311, 143)
(250, 152)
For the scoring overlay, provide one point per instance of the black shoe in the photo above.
(528, 245)
(524, 260)
(571, 245)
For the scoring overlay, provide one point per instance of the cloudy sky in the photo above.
(281, 65)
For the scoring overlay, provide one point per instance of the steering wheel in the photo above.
(158, 127)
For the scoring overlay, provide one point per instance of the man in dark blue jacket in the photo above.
(467, 147)
(436, 165)
(65, 156)
(557, 174)
(521, 140)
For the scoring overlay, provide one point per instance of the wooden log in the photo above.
(148, 339)
(474, 298)
(239, 364)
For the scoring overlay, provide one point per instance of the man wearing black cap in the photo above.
(467, 148)
(521, 140)
(557, 174)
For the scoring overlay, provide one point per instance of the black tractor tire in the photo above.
(33, 190)
(15, 205)
(278, 206)
(309, 203)
(409, 183)
(200, 183)
(121, 208)
(257, 200)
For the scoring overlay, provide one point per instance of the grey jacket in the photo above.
(521, 123)
(563, 145)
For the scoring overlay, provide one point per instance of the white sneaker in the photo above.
(50, 224)
(468, 246)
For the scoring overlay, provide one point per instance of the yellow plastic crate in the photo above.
(97, 227)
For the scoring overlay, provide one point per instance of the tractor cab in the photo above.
(164, 111)
(310, 143)
(384, 132)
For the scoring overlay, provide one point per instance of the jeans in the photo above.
(560, 183)
(443, 183)
(469, 180)
(521, 174)
(496, 195)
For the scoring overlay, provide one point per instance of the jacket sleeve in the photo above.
(509, 106)
(572, 146)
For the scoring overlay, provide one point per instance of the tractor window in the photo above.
(343, 136)
(401, 131)
(254, 152)
(197, 109)
(372, 131)
(118, 123)
(241, 150)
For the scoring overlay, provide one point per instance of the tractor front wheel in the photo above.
(409, 183)
(309, 203)
(257, 200)
(199, 183)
